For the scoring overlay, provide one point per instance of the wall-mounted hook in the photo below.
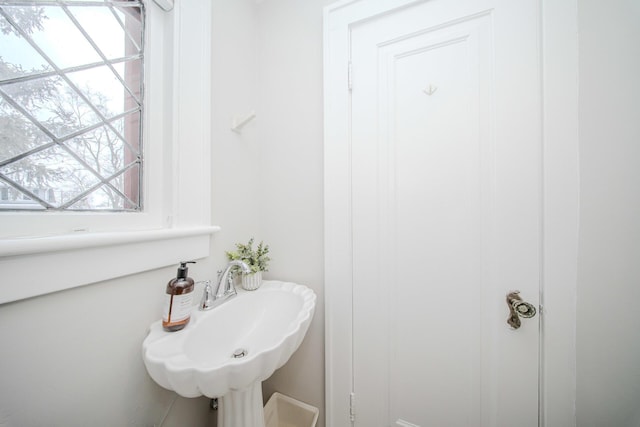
(430, 90)
(238, 123)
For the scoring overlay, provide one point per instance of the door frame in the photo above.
(560, 176)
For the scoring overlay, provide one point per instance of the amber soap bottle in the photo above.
(178, 300)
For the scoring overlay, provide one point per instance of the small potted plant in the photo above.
(257, 260)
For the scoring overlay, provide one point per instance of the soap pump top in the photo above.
(183, 270)
(182, 283)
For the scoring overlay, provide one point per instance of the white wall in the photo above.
(235, 157)
(608, 324)
(267, 58)
(290, 128)
(73, 358)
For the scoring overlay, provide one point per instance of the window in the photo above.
(71, 91)
(110, 241)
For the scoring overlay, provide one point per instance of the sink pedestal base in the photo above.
(242, 408)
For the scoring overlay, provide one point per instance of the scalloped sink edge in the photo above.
(193, 366)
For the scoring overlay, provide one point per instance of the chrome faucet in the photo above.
(224, 287)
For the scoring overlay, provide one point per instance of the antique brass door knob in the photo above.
(517, 309)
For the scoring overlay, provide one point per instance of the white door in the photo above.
(446, 207)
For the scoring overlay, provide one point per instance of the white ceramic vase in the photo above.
(251, 281)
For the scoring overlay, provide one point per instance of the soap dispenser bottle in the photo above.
(178, 300)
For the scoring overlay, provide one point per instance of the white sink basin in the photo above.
(268, 325)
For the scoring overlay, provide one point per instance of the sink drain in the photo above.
(239, 353)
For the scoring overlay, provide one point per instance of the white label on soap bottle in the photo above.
(179, 309)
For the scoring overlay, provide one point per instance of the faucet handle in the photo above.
(230, 288)
(207, 297)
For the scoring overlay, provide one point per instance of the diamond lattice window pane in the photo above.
(112, 197)
(100, 199)
(18, 134)
(57, 106)
(19, 58)
(53, 171)
(103, 150)
(130, 127)
(69, 47)
(130, 186)
(133, 27)
(105, 91)
(71, 105)
(129, 72)
(109, 35)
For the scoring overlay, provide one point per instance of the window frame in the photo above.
(176, 221)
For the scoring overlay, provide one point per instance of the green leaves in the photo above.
(257, 260)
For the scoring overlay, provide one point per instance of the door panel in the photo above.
(446, 207)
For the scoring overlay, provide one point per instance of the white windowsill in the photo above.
(49, 264)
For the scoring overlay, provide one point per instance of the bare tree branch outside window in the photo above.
(71, 89)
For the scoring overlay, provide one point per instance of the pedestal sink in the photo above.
(228, 351)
